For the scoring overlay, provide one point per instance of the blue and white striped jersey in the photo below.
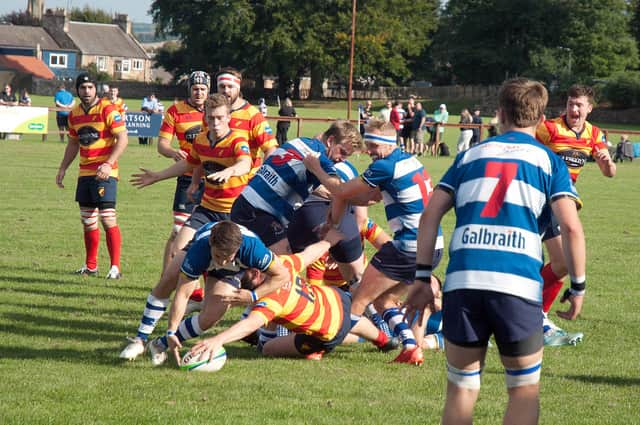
(252, 253)
(282, 183)
(500, 189)
(406, 188)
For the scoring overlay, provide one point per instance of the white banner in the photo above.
(24, 119)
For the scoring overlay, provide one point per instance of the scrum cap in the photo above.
(198, 77)
(84, 78)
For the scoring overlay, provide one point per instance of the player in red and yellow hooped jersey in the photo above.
(318, 315)
(184, 119)
(246, 118)
(574, 139)
(97, 131)
(116, 101)
(225, 154)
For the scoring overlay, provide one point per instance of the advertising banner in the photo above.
(141, 124)
(24, 119)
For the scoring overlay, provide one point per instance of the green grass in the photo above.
(61, 334)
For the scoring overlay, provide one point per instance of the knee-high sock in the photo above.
(91, 244)
(551, 287)
(114, 244)
(187, 329)
(394, 318)
(153, 311)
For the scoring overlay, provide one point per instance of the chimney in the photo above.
(55, 21)
(122, 20)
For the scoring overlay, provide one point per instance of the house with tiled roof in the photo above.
(111, 47)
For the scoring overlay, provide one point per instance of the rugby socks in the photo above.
(197, 295)
(153, 311)
(114, 243)
(551, 288)
(394, 318)
(377, 320)
(355, 318)
(381, 340)
(266, 335)
(187, 329)
(91, 244)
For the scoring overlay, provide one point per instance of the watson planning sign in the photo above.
(24, 119)
(141, 124)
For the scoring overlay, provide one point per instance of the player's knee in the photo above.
(179, 218)
(108, 217)
(469, 379)
(528, 375)
(89, 219)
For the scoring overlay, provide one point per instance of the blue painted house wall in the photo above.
(68, 71)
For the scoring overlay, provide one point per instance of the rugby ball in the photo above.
(201, 362)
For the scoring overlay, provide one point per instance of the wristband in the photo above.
(578, 284)
(423, 272)
(170, 332)
(254, 296)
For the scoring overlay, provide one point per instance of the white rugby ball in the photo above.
(201, 362)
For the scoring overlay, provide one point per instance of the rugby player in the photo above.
(499, 190)
(97, 131)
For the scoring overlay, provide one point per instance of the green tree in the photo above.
(90, 14)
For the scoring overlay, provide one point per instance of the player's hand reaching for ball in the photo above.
(146, 178)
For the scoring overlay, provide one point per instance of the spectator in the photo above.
(262, 106)
(287, 110)
(150, 105)
(25, 100)
(624, 149)
(417, 129)
(477, 119)
(64, 102)
(408, 124)
(466, 133)
(493, 125)
(386, 111)
(365, 114)
(440, 116)
(7, 98)
(396, 118)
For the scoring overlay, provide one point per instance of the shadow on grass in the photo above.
(618, 381)
(91, 309)
(78, 295)
(84, 281)
(104, 357)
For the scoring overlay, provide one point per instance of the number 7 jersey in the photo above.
(500, 189)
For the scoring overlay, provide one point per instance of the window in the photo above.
(138, 65)
(101, 63)
(126, 65)
(57, 61)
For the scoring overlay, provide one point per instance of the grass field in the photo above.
(61, 334)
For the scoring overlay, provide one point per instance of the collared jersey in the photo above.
(216, 156)
(282, 183)
(500, 189)
(95, 131)
(185, 121)
(302, 308)
(574, 149)
(249, 121)
(406, 188)
(251, 254)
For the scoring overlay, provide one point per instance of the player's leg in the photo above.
(87, 200)
(283, 346)
(106, 198)
(523, 387)
(268, 228)
(464, 366)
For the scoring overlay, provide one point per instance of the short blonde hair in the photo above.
(217, 100)
(345, 134)
(522, 102)
(379, 126)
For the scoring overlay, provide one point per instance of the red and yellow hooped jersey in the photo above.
(119, 104)
(250, 122)
(214, 157)
(95, 131)
(574, 149)
(325, 271)
(185, 121)
(303, 308)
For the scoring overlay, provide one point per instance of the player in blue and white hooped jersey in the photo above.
(404, 186)
(499, 189)
(282, 183)
(221, 249)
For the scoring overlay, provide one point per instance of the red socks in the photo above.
(197, 295)
(91, 244)
(114, 243)
(551, 287)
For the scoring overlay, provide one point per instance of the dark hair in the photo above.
(84, 78)
(225, 237)
(578, 90)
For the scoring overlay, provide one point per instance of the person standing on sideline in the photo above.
(287, 110)
(466, 133)
(149, 105)
(477, 131)
(97, 131)
(114, 99)
(499, 190)
(262, 105)
(440, 116)
(574, 140)
(25, 99)
(385, 113)
(417, 129)
(365, 115)
(65, 102)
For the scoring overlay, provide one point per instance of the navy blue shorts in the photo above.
(314, 213)
(94, 193)
(268, 228)
(201, 216)
(470, 317)
(62, 121)
(181, 202)
(307, 344)
(399, 265)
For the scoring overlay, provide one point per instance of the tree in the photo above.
(90, 14)
(19, 18)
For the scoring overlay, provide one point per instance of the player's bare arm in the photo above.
(148, 177)
(165, 149)
(239, 330)
(70, 153)
(241, 167)
(104, 170)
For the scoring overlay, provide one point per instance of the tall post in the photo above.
(353, 45)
